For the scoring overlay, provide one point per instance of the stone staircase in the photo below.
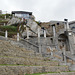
(16, 60)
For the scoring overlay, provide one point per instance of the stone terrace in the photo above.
(15, 60)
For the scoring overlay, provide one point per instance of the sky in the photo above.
(43, 10)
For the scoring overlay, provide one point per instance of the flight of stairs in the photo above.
(15, 60)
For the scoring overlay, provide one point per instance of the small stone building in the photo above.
(22, 14)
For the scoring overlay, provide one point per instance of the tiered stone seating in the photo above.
(15, 60)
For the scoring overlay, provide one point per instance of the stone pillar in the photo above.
(54, 31)
(67, 25)
(27, 29)
(22, 19)
(38, 32)
(39, 43)
(4, 24)
(44, 33)
(5, 16)
(51, 52)
(71, 42)
(17, 36)
(74, 38)
(54, 34)
(13, 15)
(64, 52)
(6, 34)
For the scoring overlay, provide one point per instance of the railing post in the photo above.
(4, 24)
(39, 43)
(65, 60)
(6, 34)
(17, 36)
(22, 20)
(13, 15)
(74, 38)
(27, 29)
(67, 24)
(44, 33)
(38, 32)
(5, 16)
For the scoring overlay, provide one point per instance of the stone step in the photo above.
(61, 73)
(9, 49)
(22, 70)
(57, 56)
(72, 68)
(27, 61)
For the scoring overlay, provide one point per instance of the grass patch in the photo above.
(8, 28)
(42, 73)
(2, 16)
(13, 65)
(12, 30)
(7, 16)
(3, 21)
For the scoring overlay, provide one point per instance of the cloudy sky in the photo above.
(43, 10)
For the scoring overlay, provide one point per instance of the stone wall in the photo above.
(61, 73)
(27, 61)
(22, 70)
(30, 45)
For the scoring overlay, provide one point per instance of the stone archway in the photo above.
(63, 42)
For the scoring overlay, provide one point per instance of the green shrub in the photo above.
(8, 28)
(12, 30)
(7, 16)
(11, 34)
(3, 21)
(2, 34)
(2, 16)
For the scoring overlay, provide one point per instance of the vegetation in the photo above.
(3, 16)
(3, 21)
(41, 73)
(8, 28)
(12, 30)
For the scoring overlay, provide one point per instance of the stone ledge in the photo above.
(22, 70)
(26, 61)
(61, 73)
